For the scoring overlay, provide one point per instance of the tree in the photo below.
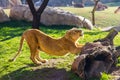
(93, 11)
(37, 13)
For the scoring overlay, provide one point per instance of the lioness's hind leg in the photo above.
(33, 51)
(33, 58)
(39, 58)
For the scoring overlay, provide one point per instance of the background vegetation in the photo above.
(24, 69)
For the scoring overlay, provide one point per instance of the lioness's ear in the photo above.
(67, 31)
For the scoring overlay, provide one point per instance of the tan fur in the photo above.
(39, 41)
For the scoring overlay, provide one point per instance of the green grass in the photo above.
(23, 68)
(9, 43)
(103, 18)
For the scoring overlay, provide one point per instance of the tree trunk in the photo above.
(93, 11)
(37, 13)
(36, 21)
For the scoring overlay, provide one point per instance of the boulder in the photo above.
(79, 5)
(111, 27)
(50, 16)
(100, 6)
(86, 23)
(14, 3)
(9, 3)
(17, 12)
(3, 16)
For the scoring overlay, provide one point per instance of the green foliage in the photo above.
(105, 77)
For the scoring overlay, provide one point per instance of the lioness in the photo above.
(39, 41)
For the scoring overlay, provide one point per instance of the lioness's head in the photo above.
(74, 34)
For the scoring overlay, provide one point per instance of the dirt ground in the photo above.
(115, 72)
(62, 74)
(49, 72)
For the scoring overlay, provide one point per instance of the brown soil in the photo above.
(115, 72)
(48, 74)
(49, 64)
(47, 71)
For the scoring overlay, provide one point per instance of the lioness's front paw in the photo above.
(44, 60)
(38, 63)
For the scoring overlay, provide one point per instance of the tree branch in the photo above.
(42, 7)
(31, 6)
(93, 11)
(36, 13)
(109, 38)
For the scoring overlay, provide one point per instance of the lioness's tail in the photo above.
(19, 50)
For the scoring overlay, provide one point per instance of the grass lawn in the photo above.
(103, 18)
(24, 69)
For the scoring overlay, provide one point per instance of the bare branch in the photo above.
(93, 11)
(42, 7)
(31, 5)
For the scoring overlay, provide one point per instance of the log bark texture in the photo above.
(97, 57)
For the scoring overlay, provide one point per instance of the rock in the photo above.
(3, 16)
(14, 3)
(9, 3)
(17, 12)
(111, 27)
(50, 16)
(100, 6)
(86, 23)
(79, 5)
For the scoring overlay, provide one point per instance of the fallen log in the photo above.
(97, 57)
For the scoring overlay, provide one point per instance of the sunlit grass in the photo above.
(103, 18)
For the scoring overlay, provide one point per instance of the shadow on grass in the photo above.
(11, 34)
(39, 74)
(12, 29)
(93, 33)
